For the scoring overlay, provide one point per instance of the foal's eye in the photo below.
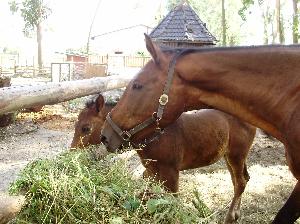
(137, 86)
(86, 130)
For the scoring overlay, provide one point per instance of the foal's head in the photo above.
(90, 122)
(140, 101)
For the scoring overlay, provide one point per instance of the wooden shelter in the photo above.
(182, 27)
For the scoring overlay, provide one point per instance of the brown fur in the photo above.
(260, 85)
(196, 139)
(89, 124)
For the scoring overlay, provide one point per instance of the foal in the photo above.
(196, 139)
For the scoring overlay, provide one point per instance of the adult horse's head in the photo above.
(149, 101)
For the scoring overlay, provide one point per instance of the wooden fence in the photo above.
(120, 60)
(68, 70)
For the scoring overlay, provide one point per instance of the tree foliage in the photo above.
(246, 5)
(32, 11)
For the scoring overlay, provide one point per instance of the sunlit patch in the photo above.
(191, 112)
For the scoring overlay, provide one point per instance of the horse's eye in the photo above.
(86, 130)
(137, 86)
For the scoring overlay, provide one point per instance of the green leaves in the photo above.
(13, 6)
(74, 188)
(199, 205)
(154, 205)
(33, 12)
(132, 204)
(246, 6)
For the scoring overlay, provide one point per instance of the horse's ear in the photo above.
(153, 49)
(99, 102)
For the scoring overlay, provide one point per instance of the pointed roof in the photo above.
(182, 24)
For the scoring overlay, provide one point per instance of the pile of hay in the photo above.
(76, 188)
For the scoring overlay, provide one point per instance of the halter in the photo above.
(156, 116)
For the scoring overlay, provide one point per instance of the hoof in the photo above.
(232, 217)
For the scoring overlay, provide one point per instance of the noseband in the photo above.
(156, 116)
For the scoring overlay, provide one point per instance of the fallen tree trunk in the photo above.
(18, 97)
(9, 207)
(6, 119)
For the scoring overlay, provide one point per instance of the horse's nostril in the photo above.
(103, 139)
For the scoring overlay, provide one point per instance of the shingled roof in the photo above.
(182, 24)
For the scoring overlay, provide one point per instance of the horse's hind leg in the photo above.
(239, 176)
(290, 212)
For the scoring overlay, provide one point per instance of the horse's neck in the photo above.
(248, 84)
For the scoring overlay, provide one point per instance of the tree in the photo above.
(34, 12)
(91, 27)
(295, 25)
(279, 24)
(223, 24)
(272, 17)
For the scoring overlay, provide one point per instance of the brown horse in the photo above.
(90, 120)
(260, 85)
(196, 139)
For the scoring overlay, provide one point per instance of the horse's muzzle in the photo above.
(110, 139)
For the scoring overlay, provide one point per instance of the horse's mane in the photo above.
(108, 102)
(184, 51)
(91, 102)
(111, 98)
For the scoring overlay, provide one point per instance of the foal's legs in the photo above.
(239, 176)
(166, 174)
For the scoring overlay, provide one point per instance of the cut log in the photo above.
(4, 81)
(18, 97)
(9, 207)
(6, 119)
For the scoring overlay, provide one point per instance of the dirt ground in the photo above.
(45, 134)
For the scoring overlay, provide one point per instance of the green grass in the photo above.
(75, 188)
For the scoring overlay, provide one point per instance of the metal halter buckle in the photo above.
(163, 99)
(125, 136)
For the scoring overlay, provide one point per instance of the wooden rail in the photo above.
(18, 97)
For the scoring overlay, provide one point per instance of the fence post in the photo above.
(33, 74)
(69, 66)
(59, 72)
(51, 70)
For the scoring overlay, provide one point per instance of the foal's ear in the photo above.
(153, 49)
(99, 103)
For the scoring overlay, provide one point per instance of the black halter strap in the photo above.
(156, 116)
(164, 98)
(126, 135)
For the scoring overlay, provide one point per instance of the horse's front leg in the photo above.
(166, 174)
(239, 177)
